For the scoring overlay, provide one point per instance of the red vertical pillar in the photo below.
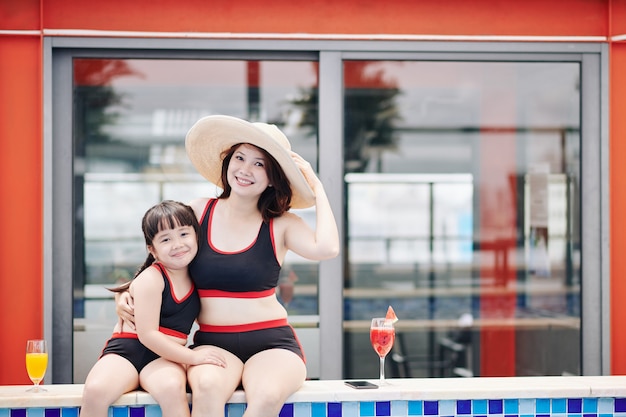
(497, 216)
(21, 207)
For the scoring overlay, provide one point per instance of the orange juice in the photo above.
(36, 364)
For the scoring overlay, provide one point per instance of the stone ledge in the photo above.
(69, 395)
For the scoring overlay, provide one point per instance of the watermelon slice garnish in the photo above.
(391, 315)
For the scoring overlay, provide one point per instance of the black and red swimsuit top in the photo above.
(177, 315)
(250, 273)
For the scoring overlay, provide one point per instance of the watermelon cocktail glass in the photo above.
(382, 336)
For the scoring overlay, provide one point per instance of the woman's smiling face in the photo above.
(246, 170)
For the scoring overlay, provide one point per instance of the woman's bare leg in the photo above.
(212, 386)
(269, 378)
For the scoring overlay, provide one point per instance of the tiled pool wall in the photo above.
(523, 407)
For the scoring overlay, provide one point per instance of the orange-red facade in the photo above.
(22, 25)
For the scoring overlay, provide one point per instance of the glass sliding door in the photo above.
(462, 211)
(129, 125)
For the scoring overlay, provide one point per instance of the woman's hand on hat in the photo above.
(307, 170)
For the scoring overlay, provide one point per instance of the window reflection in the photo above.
(462, 213)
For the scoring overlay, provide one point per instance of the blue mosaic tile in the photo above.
(414, 408)
(511, 415)
(447, 407)
(318, 409)
(334, 409)
(137, 411)
(4, 412)
(52, 412)
(511, 406)
(348, 409)
(18, 412)
(70, 412)
(431, 408)
(543, 415)
(366, 409)
(237, 409)
(464, 407)
(495, 407)
(590, 405)
(620, 405)
(590, 415)
(399, 408)
(286, 411)
(479, 407)
(526, 406)
(383, 408)
(35, 412)
(574, 405)
(559, 405)
(153, 410)
(605, 405)
(542, 406)
(526, 415)
(119, 411)
(605, 415)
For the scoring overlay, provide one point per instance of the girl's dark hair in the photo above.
(166, 215)
(275, 200)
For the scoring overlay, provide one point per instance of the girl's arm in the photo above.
(146, 290)
(323, 242)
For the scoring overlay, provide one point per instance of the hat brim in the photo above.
(211, 135)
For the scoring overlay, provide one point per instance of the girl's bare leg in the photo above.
(109, 378)
(212, 386)
(167, 383)
(269, 378)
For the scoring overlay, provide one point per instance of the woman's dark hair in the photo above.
(275, 200)
(166, 215)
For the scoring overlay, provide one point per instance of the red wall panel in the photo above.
(617, 188)
(451, 17)
(19, 15)
(21, 204)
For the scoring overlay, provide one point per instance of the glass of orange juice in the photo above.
(36, 362)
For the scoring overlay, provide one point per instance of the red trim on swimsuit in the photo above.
(125, 335)
(164, 330)
(171, 332)
(233, 294)
(259, 325)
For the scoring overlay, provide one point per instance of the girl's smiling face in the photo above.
(175, 248)
(247, 172)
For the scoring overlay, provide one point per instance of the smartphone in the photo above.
(361, 384)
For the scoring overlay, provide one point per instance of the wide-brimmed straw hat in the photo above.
(211, 135)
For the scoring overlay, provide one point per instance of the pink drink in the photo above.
(382, 339)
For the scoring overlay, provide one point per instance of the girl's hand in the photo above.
(208, 355)
(125, 309)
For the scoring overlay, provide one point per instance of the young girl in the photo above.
(166, 303)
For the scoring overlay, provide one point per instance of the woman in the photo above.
(247, 232)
